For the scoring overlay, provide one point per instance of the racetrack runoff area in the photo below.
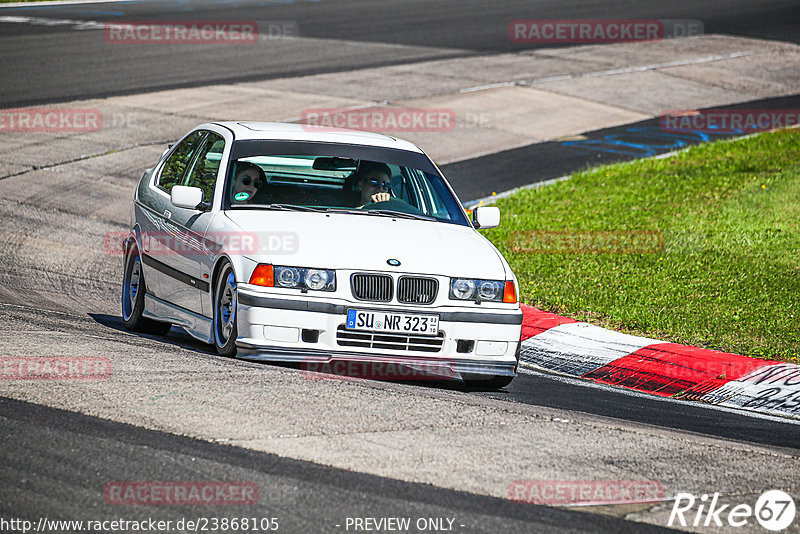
(60, 288)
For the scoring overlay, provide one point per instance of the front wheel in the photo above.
(133, 290)
(225, 302)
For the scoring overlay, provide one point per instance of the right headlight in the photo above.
(462, 288)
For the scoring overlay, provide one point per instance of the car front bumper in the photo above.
(310, 329)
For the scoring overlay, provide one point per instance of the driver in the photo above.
(374, 182)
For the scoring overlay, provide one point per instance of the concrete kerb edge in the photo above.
(764, 387)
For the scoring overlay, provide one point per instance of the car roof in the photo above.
(282, 131)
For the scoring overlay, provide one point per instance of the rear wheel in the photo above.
(133, 290)
(225, 302)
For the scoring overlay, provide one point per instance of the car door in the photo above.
(154, 212)
(187, 275)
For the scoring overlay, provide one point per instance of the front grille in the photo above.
(374, 287)
(377, 340)
(417, 290)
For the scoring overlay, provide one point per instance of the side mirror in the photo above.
(187, 197)
(486, 217)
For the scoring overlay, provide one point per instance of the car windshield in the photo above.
(328, 177)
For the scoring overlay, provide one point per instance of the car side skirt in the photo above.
(198, 326)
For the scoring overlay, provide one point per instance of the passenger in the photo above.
(248, 184)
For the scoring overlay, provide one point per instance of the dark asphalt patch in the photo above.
(480, 177)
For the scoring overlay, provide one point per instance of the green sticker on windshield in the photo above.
(241, 196)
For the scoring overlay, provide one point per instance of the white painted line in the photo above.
(487, 86)
(41, 21)
(612, 72)
(64, 3)
(653, 66)
(579, 348)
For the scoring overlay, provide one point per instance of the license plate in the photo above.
(426, 325)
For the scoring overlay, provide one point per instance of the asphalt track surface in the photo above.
(542, 389)
(56, 462)
(42, 63)
(64, 455)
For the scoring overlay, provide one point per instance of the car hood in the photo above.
(354, 241)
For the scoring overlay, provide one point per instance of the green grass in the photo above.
(728, 276)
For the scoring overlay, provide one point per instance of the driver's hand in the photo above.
(380, 197)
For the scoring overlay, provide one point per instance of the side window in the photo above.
(398, 183)
(175, 166)
(204, 171)
(412, 188)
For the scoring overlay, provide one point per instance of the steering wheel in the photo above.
(394, 204)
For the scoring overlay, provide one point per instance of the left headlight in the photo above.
(483, 290)
(294, 277)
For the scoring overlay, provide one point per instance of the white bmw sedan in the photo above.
(296, 243)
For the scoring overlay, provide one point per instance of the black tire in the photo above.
(225, 304)
(495, 382)
(133, 290)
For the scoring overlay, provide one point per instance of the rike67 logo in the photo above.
(774, 510)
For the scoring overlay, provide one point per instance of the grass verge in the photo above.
(700, 248)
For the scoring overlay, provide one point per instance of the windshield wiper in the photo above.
(354, 211)
(401, 214)
(291, 207)
(383, 213)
